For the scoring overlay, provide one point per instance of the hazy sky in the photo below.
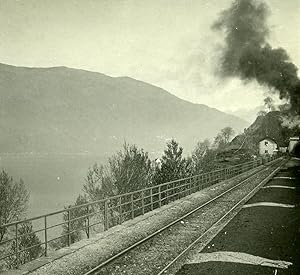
(168, 43)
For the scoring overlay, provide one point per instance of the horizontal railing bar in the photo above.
(6, 256)
(64, 235)
(77, 230)
(78, 218)
(148, 204)
(30, 233)
(6, 241)
(202, 176)
(56, 238)
(56, 225)
(74, 219)
(97, 212)
(128, 212)
(30, 247)
(93, 224)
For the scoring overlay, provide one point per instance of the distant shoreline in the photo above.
(52, 154)
(57, 156)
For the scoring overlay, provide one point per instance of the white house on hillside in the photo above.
(268, 146)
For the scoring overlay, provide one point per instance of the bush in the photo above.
(76, 227)
(13, 200)
(25, 241)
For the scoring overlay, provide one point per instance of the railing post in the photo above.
(120, 210)
(46, 237)
(88, 221)
(69, 228)
(173, 192)
(187, 187)
(159, 196)
(151, 198)
(17, 246)
(143, 203)
(105, 214)
(132, 210)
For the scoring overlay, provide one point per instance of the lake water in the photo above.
(53, 181)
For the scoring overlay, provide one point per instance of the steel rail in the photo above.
(114, 257)
(243, 200)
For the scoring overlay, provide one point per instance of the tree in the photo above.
(127, 171)
(98, 184)
(130, 169)
(13, 200)
(223, 138)
(200, 149)
(261, 113)
(227, 133)
(208, 163)
(28, 239)
(219, 141)
(77, 226)
(173, 165)
(200, 156)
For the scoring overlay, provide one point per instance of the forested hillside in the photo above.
(60, 110)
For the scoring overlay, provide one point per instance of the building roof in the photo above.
(268, 138)
(232, 147)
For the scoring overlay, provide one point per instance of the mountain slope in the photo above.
(269, 125)
(248, 115)
(68, 110)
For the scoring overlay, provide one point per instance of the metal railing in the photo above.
(100, 215)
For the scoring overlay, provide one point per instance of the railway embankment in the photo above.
(263, 238)
(86, 254)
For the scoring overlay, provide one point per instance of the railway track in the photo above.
(159, 252)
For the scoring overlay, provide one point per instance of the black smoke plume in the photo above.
(248, 55)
